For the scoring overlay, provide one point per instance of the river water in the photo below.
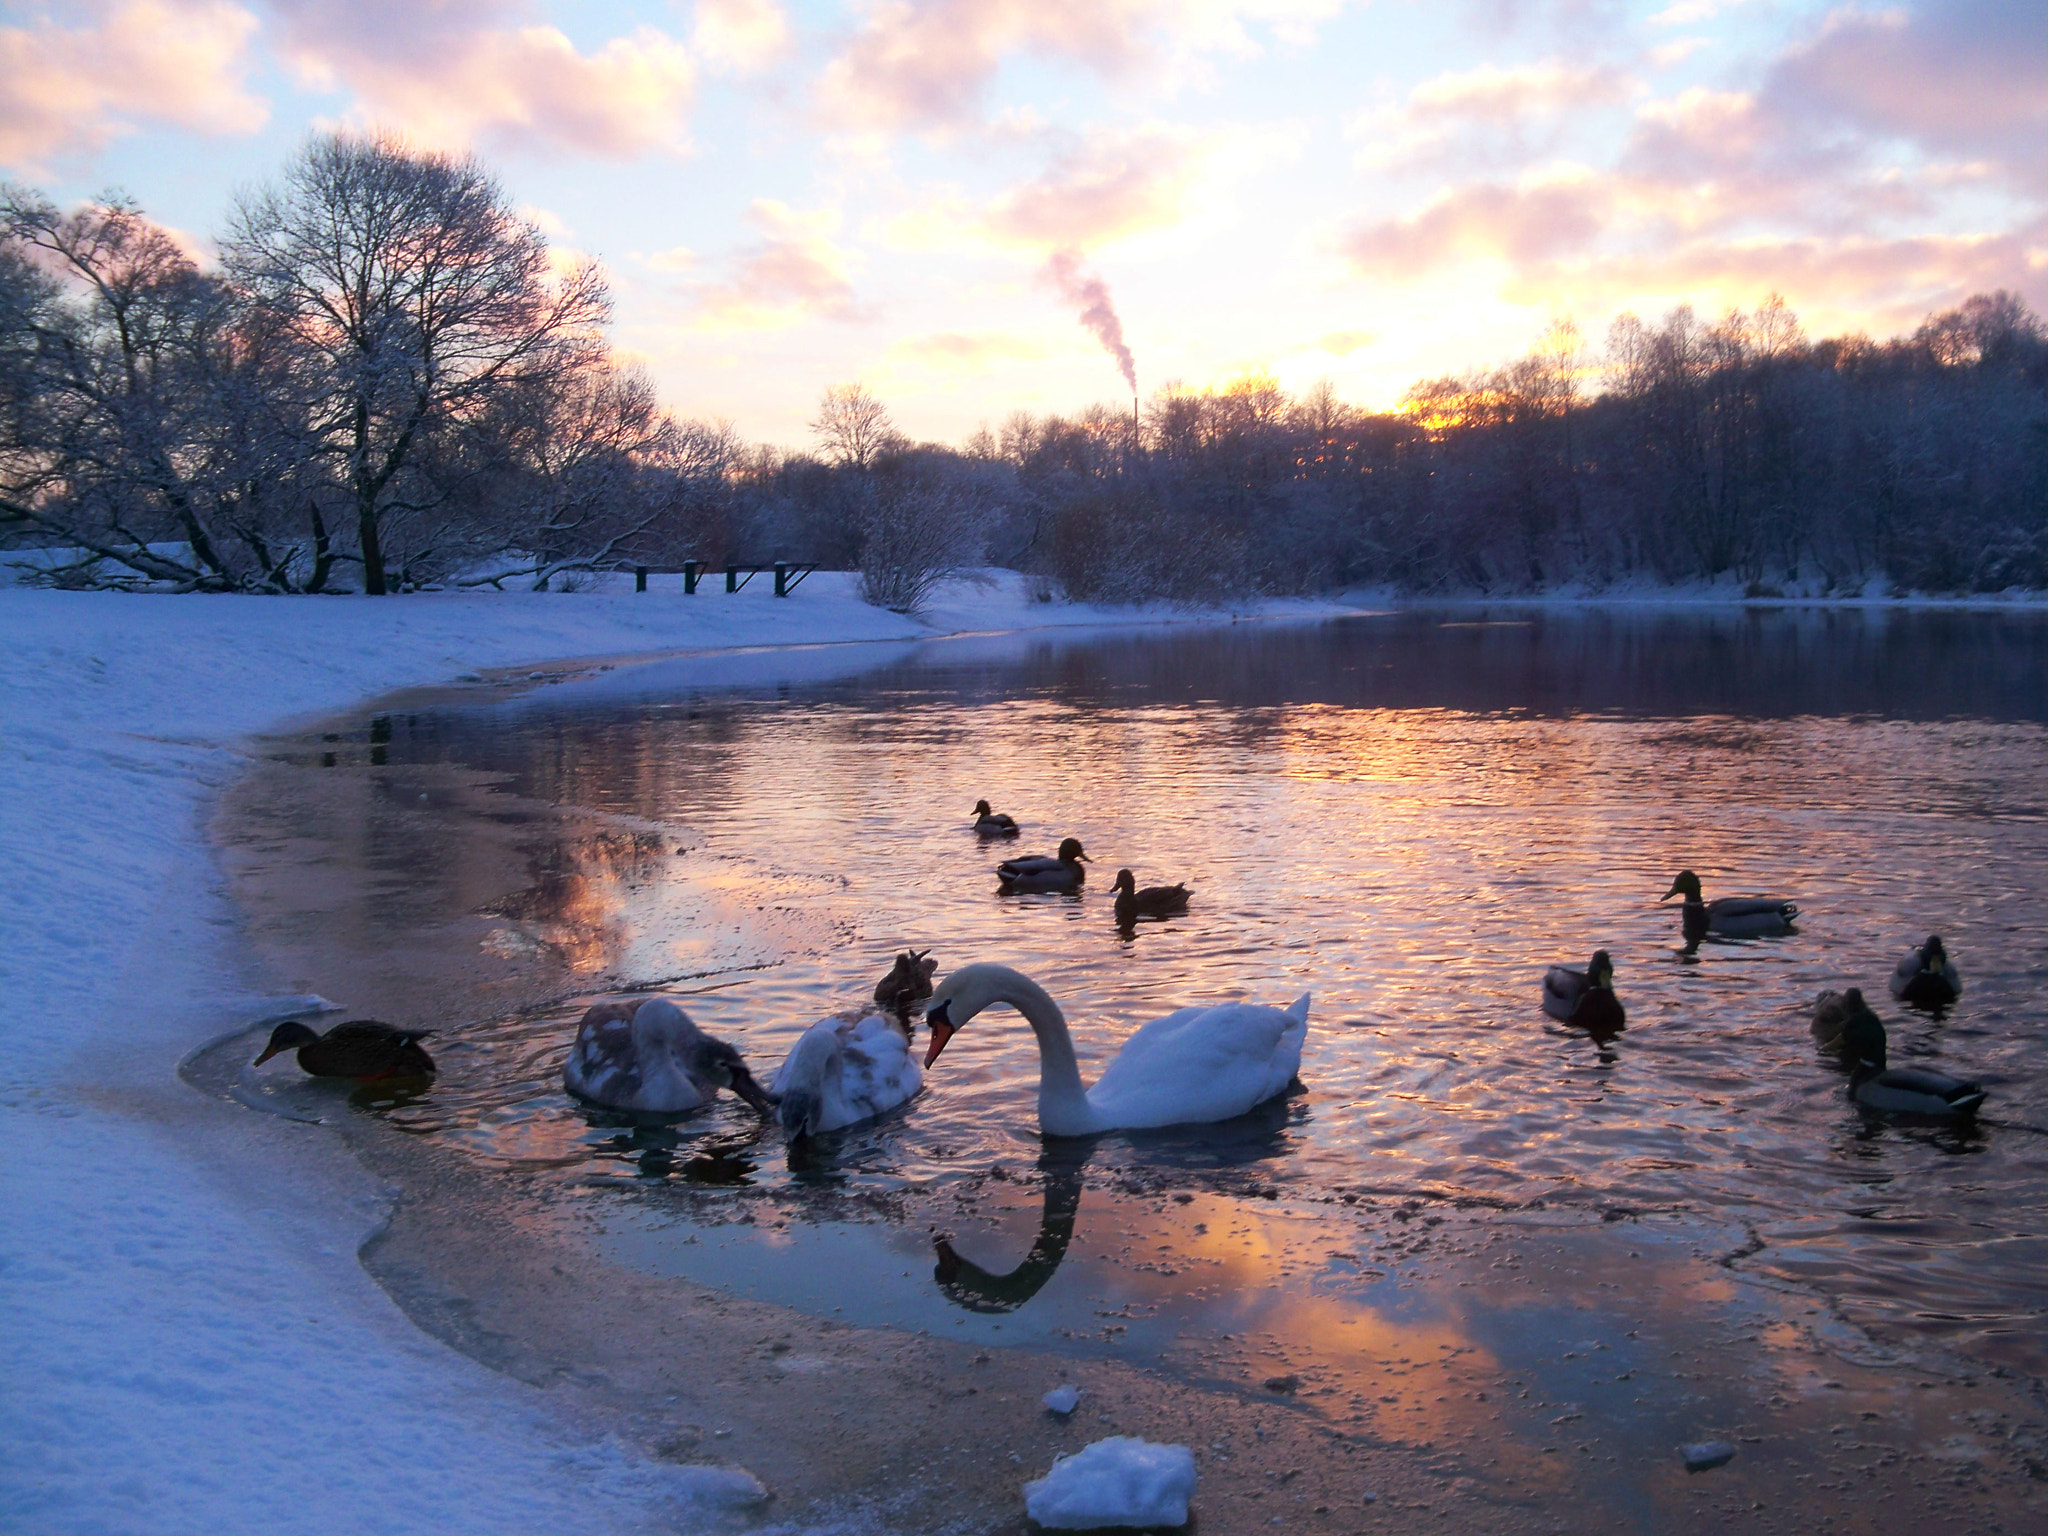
(1409, 815)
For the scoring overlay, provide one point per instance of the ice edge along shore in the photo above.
(195, 1348)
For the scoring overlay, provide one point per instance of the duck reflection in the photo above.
(967, 1285)
(663, 1148)
(391, 1092)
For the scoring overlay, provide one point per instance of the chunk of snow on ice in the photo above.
(1707, 1455)
(1119, 1481)
(1063, 1400)
(720, 1487)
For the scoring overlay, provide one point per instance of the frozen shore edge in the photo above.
(203, 1350)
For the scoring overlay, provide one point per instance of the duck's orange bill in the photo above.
(268, 1052)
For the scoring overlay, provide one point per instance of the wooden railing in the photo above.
(788, 573)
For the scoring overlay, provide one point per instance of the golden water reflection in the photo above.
(1410, 821)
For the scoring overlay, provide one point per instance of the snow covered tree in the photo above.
(418, 300)
(853, 427)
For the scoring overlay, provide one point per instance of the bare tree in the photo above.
(853, 427)
(29, 313)
(418, 297)
(148, 406)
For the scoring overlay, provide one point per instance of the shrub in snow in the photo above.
(919, 525)
(1119, 1481)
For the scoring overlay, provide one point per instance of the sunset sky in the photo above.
(792, 193)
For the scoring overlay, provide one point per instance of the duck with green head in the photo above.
(1061, 872)
(1926, 977)
(1729, 917)
(1585, 998)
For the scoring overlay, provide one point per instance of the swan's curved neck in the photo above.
(1063, 1107)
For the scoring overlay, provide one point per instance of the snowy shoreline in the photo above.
(205, 1350)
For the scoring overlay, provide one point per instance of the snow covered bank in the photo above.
(1806, 592)
(190, 1343)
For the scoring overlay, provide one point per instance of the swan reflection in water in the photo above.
(1262, 1137)
(966, 1284)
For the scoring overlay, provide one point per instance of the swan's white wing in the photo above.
(601, 1064)
(606, 1066)
(843, 1071)
(1202, 1064)
(877, 1072)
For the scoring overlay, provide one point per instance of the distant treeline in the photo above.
(388, 382)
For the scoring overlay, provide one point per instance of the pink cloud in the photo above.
(794, 272)
(1489, 116)
(457, 73)
(1725, 158)
(739, 35)
(1807, 184)
(1485, 219)
(1888, 284)
(1112, 186)
(66, 91)
(1956, 76)
(956, 350)
(928, 62)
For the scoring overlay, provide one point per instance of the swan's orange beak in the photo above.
(942, 1029)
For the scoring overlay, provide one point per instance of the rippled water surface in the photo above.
(1409, 815)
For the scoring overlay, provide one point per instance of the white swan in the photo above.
(650, 1057)
(1189, 1068)
(842, 1070)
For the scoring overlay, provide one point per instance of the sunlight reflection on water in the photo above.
(1412, 817)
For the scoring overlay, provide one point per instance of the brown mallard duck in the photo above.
(1843, 1019)
(1152, 901)
(1585, 998)
(364, 1049)
(1061, 872)
(993, 823)
(908, 983)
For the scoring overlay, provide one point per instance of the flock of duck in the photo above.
(1194, 1066)
(1842, 1022)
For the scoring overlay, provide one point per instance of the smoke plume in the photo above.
(1090, 294)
